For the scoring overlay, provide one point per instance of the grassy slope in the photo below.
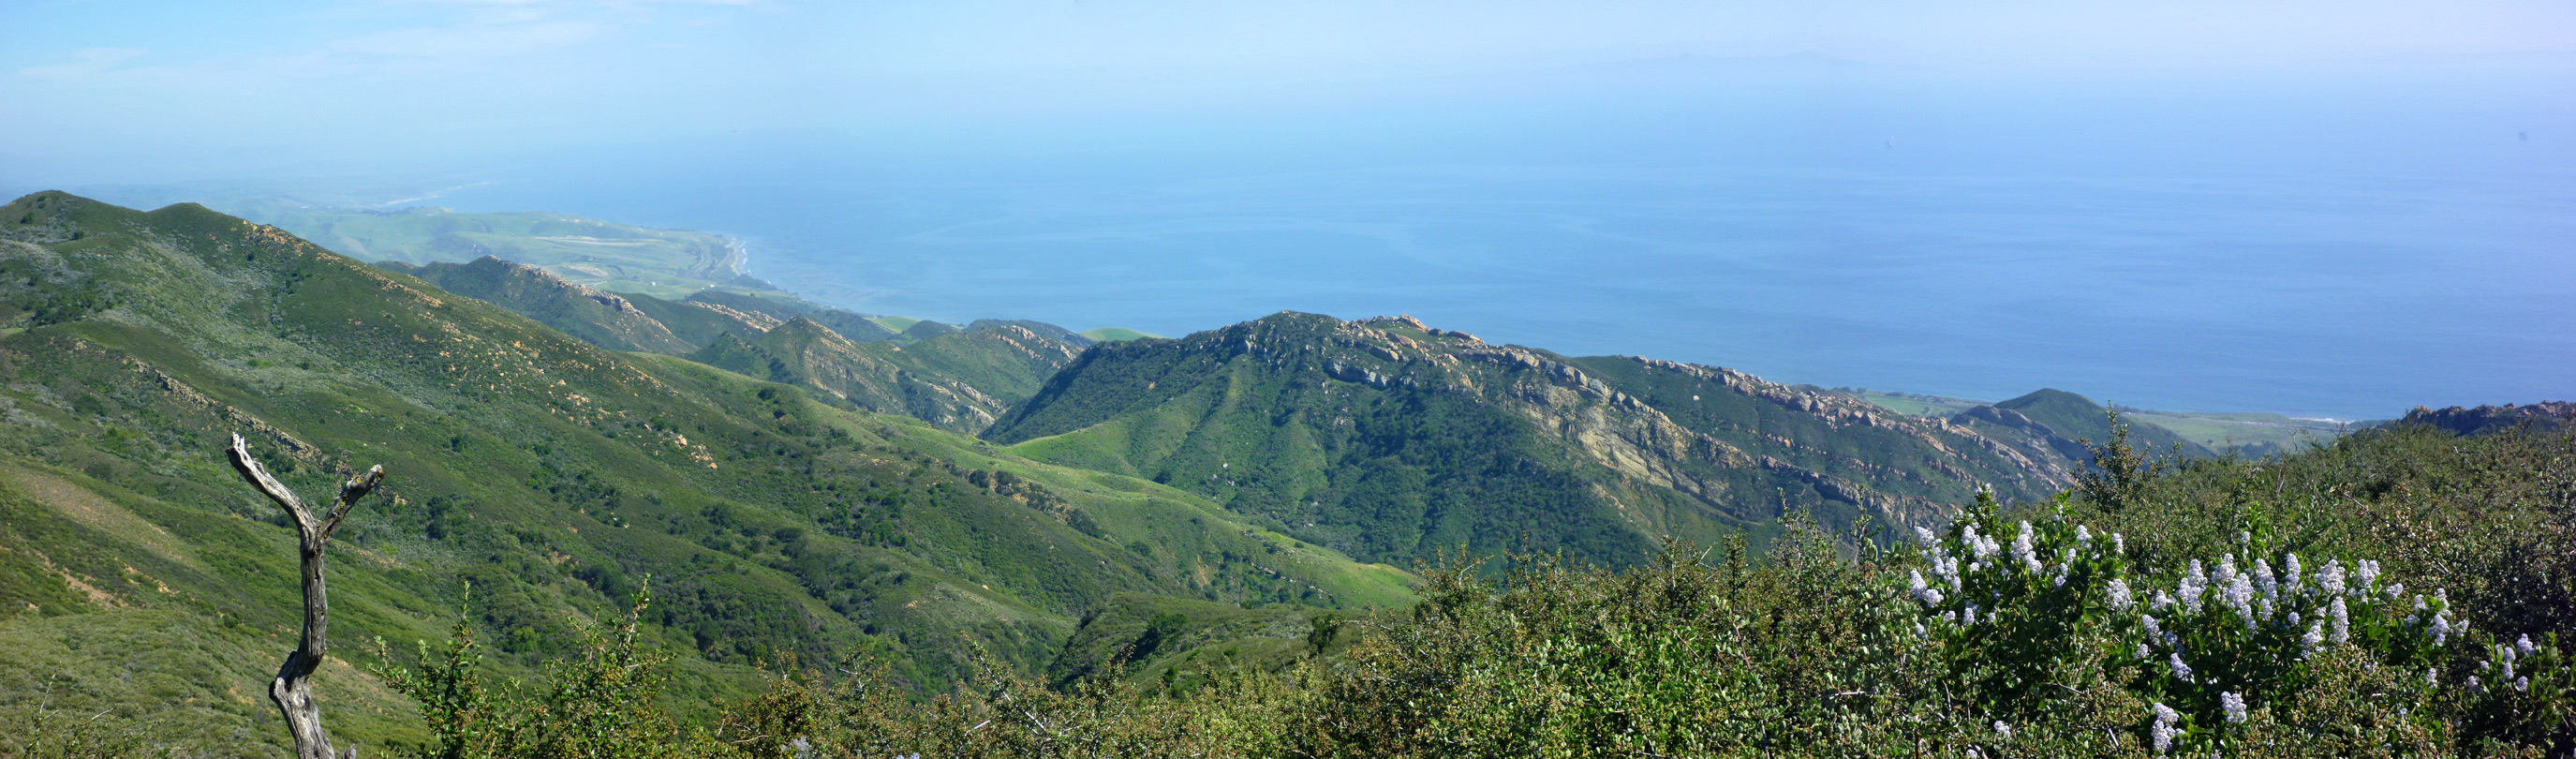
(1116, 334)
(2079, 418)
(2249, 433)
(553, 475)
(961, 380)
(1914, 404)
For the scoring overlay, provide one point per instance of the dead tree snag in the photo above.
(293, 688)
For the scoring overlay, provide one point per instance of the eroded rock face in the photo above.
(2544, 416)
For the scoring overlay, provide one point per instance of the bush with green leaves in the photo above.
(2231, 612)
(600, 700)
(2027, 612)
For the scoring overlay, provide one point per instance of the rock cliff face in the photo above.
(2544, 416)
(1392, 440)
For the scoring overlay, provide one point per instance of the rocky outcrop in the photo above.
(2545, 416)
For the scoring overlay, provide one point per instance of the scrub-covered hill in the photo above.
(957, 379)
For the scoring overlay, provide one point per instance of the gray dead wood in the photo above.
(293, 688)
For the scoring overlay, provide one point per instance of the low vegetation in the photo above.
(2401, 592)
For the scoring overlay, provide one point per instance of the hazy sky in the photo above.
(110, 91)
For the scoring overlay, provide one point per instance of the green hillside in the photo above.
(2250, 434)
(1393, 441)
(2057, 425)
(1116, 334)
(551, 474)
(2077, 417)
(960, 380)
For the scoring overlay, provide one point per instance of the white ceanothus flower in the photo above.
(2264, 581)
(2366, 574)
(2239, 595)
(2083, 535)
(2441, 630)
(1978, 544)
(2342, 620)
(2195, 582)
(2308, 642)
(2181, 671)
(2162, 602)
(2164, 730)
(2117, 594)
(2234, 705)
(2432, 677)
(1923, 592)
(2522, 685)
(2290, 574)
(2119, 545)
(2003, 730)
(2523, 645)
(2145, 654)
(2394, 590)
(1925, 534)
(2330, 579)
(2023, 552)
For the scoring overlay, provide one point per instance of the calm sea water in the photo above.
(2319, 296)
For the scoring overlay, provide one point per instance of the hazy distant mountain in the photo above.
(623, 257)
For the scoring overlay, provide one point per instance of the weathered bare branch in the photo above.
(350, 492)
(269, 486)
(292, 690)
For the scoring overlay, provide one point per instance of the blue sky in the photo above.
(107, 91)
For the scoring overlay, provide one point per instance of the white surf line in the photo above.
(431, 196)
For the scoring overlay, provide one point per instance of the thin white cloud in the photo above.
(86, 63)
(475, 41)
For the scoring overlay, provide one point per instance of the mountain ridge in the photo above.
(1359, 433)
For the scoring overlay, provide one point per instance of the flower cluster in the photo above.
(2207, 644)
(2166, 728)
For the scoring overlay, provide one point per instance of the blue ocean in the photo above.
(2339, 298)
(2132, 255)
